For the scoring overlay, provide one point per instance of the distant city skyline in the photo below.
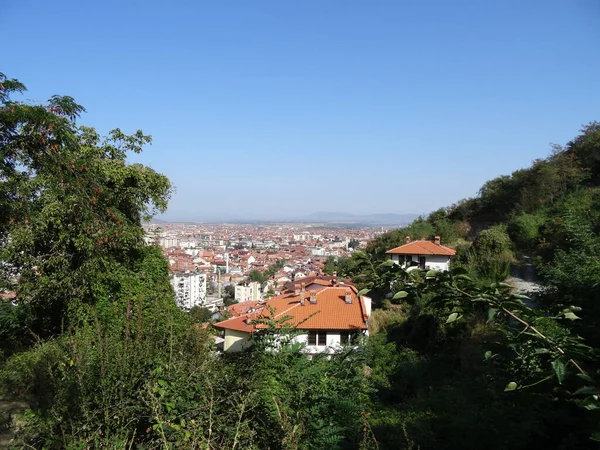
(276, 110)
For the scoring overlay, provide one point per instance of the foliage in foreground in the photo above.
(153, 382)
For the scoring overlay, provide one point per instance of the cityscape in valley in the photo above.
(205, 258)
(240, 273)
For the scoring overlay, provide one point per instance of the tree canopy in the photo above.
(71, 209)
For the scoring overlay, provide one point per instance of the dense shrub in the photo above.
(491, 254)
(524, 230)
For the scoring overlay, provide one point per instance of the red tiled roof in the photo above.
(422, 248)
(323, 280)
(241, 323)
(181, 265)
(330, 311)
(239, 309)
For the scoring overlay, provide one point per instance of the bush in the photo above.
(524, 230)
(491, 254)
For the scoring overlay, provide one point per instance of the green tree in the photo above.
(200, 314)
(524, 229)
(71, 209)
(419, 229)
(586, 149)
(353, 244)
(330, 265)
(491, 254)
(229, 295)
(229, 291)
(257, 276)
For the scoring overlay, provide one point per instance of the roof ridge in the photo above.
(289, 309)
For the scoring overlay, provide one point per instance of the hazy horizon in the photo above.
(317, 217)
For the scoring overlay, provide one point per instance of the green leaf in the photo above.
(586, 377)
(559, 369)
(459, 271)
(387, 263)
(363, 292)
(510, 386)
(488, 354)
(587, 390)
(591, 404)
(399, 295)
(571, 316)
(431, 273)
(491, 314)
(452, 317)
(463, 277)
(541, 351)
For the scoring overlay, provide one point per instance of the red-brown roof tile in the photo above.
(422, 248)
(329, 312)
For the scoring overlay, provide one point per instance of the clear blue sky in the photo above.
(264, 109)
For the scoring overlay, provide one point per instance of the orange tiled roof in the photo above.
(422, 248)
(330, 312)
(323, 280)
(241, 323)
(239, 309)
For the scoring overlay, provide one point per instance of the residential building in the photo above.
(326, 319)
(167, 242)
(213, 303)
(427, 254)
(251, 292)
(190, 288)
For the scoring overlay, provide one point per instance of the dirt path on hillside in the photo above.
(7, 410)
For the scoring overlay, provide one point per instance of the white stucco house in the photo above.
(325, 319)
(427, 254)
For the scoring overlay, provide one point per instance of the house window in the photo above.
(317, 338)
(346, 337)
(407, 258)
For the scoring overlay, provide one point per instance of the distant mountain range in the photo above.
(370, 219)
(319, 217)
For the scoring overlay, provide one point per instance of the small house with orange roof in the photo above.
(325, 319)
(427, 254)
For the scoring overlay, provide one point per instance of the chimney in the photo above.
(407, 239)
(348, 298)
(313, 299)
(437, 240)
